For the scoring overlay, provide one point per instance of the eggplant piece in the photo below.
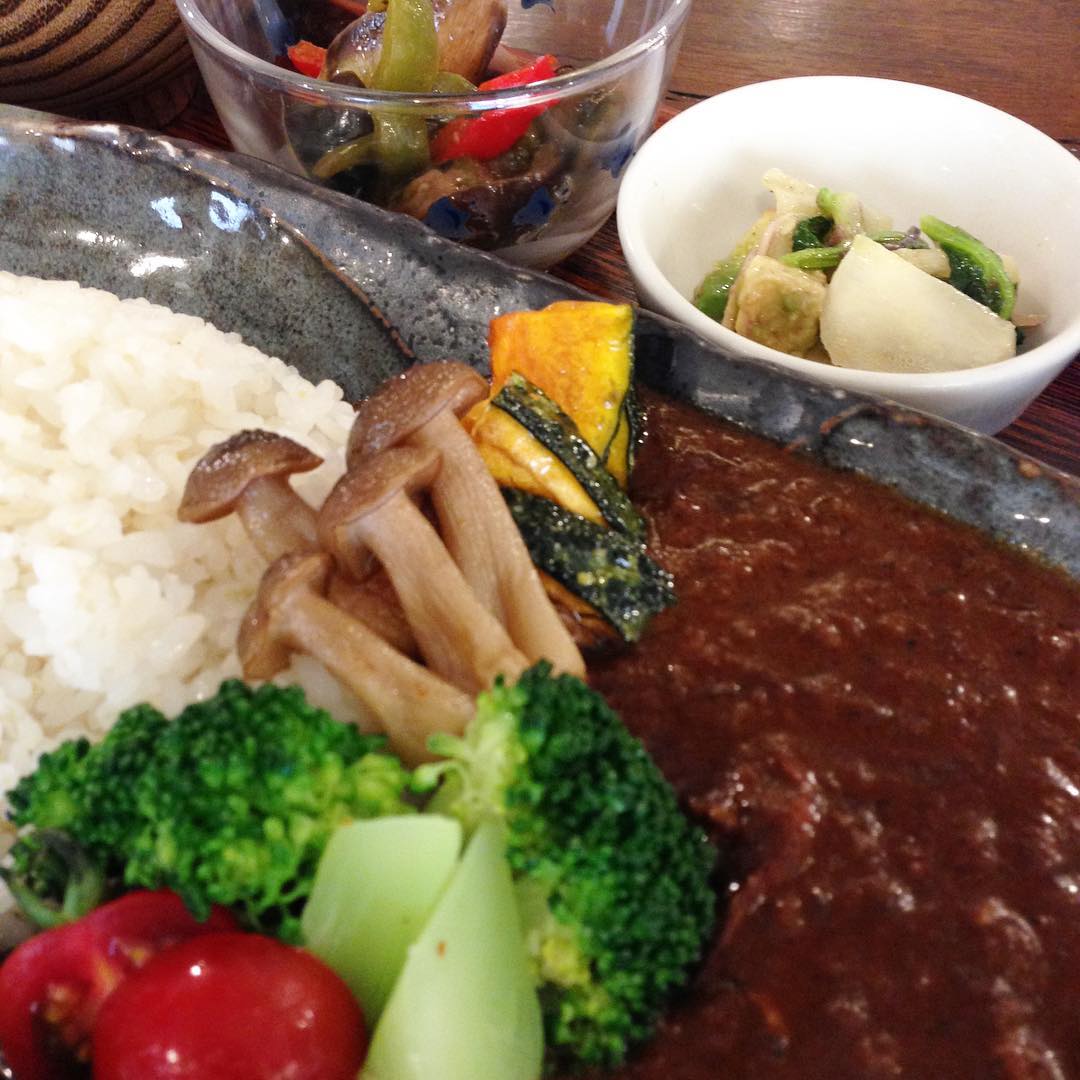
(355, 50)
(468, 33)
(465, 200)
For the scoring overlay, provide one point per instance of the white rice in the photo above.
(106, 599)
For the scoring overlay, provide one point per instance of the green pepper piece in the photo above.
(346, 156)
(401, 147)
(408, 63)
(711, 296)
(450, 82)
(409, 56)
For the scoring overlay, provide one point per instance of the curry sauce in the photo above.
(876, 713)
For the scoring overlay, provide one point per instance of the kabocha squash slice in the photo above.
(518, 459)
(554, 429)
(603, 567)
(618, 458)
(580, 354)
(586, 625)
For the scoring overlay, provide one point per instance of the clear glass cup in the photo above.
(533, 204)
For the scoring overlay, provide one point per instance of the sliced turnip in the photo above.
(883, 314)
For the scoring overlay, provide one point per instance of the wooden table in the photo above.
(1018, 55)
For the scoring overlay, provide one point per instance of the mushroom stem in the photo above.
(276, 519)
(374, 602)
(290, 613)
(370, 509)
(486, 544)
(421, 409)
(464, 517)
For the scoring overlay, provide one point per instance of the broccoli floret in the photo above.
(975, 269)
(52, 879)
(230, 803)
(614, 880)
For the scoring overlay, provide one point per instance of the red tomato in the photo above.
(230, 1007)
(53, 986)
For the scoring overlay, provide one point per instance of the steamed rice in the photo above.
(106, 599)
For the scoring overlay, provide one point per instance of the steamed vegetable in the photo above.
(613, 880)
(374, 890)
(884, 314)
(779, 305)
(977, 271)
(231, 803)
(556, 430)
(580, 354)
(465, 1005)
(608, 570)
(518, 459)
(558, 434)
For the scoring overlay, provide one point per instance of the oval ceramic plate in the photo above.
(346, 291)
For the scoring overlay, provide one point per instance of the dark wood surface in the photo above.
(1018, 55)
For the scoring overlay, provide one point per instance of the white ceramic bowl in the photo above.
(907, 150)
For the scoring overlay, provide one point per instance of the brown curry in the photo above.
(876, 712)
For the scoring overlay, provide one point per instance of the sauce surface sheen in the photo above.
(876, 713)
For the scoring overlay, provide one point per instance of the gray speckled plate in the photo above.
(346, 291)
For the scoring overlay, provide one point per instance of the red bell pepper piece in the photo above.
(53, 986)
(493, 133)
(307, 58)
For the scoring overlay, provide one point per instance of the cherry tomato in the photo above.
(230, 1006)
(53, 986)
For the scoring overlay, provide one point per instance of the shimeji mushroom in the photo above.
(291, 614)
(249, 474)
(374, 602)
(421, 408)
(370, 512)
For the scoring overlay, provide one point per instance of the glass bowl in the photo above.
(532, 204)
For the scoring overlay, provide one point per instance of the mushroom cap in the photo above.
(262, 652)
(223, 473)
(402, 405)
(366, 486)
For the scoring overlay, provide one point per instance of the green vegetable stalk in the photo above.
(975, 269)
